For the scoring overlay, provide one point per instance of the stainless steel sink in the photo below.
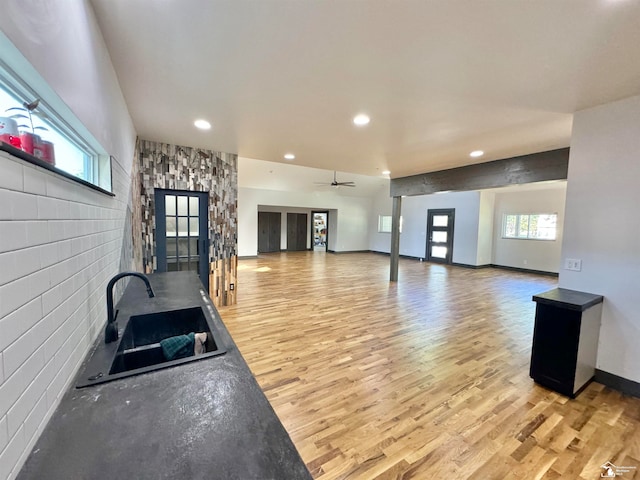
(139, 349)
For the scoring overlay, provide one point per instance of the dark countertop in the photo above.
(206, 419)
(569, 299)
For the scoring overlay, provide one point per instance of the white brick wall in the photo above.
(60, 243)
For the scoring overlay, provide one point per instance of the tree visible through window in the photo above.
(539, 226)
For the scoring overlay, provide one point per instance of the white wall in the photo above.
(349, 233)
(602, 226)
(414, 224)
(485, 228)
(60, 241)
(539, 255)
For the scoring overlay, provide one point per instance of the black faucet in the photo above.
(111, 330)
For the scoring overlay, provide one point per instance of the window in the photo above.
(384, 223)
(41, 133)
(539, 226)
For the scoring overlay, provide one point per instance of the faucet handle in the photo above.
(111, 332)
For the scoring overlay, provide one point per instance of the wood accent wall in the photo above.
(177, 167)
(223, 281)
(536, 167)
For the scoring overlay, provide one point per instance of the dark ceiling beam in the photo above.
(536, 167)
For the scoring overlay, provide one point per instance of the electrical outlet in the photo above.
(574, 264)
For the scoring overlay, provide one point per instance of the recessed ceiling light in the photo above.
(361, 119)
(476, 153)
(202, 124)
(289, 156)
(386, 172)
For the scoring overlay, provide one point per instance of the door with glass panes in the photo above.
(440, 235)
(182, 241)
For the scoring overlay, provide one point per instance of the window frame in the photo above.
(97, 164)
(518, 223)
(380, 223)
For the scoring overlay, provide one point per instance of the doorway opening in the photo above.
(182, 232)
(440, 235)
(320, 231)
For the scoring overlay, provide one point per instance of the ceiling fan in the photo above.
(336, 183)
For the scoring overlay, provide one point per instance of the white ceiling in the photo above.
(439, 78)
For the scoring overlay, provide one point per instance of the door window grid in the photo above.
(182, 232)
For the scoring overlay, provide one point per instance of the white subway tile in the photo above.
(23, 290)
(26, 261)
(56, 230)
(59, 272)
(12, 177)
(51, 299)
(7, 267)
(13, 235)
(12, 453)
(34, 181)
(37, 232)
(63, 208)
(4, 435)
(70, 229)
(6, 199)
(48, 254)
(46, 208)
(24, 206)
(17, 383)
(35, 417)
(19, 351)
(27, 401)
(64, 249)
(20, 321)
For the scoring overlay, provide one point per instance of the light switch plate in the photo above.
(574, 264)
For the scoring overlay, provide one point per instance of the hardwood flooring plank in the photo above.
(420, 379)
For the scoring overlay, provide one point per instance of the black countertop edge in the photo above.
(568, 299)
(200, 420)
(22, 155)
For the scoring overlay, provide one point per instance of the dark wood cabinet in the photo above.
(269, 232)
(297, 231)
(565, 339)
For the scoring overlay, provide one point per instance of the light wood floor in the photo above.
(427, 378)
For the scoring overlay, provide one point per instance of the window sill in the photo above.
(532, 239)
(16, 152)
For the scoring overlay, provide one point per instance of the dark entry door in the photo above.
(268, 232)
(296, 231)
(440, 235)
(182, 232)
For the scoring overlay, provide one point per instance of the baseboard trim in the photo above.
(624, 385)
(349, 251)
(474, 267)
(408, 257)
(525, 270)
(247, 257)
